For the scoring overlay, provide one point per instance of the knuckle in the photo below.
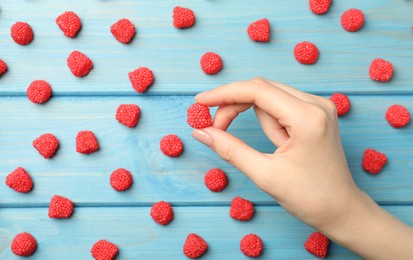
(259, 83)
(228, 154)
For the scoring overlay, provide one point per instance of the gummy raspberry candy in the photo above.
(319, 6)
(39, 91)
(141, 78)
(19, 180)
(198, 116)
(171, 145)
(104, 250)
(211, 63)
(86, 142)
(398, 116)
(121, 179)
(128, 114)
(123, 31)
(342, 103)
(46, 145)
(317, 244)
(183, 17)
(60, 207)
(306, 53)
(381, 70)
(251, 245)
(3, 67)
(195, 246)
(216, 180)
(79, 64)
(373, 161)
(21, 33)
(69, 23)
(352, 20)
(24, 244)
(241, 209)
(162, 213)
(259, 31)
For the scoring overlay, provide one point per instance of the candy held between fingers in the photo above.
(198, 116)
(60, 207)
(251, 245)
(183, 17)
(23, 244)
(260, 31)
(141, 78)
(317, 244)
(381, 70)
(171, 145)
(373, 161)
(128, 114)
(104, 250)
(19, 180)
(342, 103)
(123, 31)
(241, 209)
(46, 145)
(195, 246)
(39, 91)
(79, 64)
(22, 33)
(211, 63)
(319, 6)
(86, 142)
(69, 23)
(398, 116)
(121, 179)
(352, 20)
(306, 53)
(216, 180)
(162, 213)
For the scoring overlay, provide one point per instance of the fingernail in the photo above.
(203, 137)
(201, 95)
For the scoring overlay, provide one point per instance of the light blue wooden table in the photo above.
(173, 55)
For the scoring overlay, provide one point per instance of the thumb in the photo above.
(233, 150)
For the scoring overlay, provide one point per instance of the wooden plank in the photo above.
(85, 179)
(138, 237)
(221, 27)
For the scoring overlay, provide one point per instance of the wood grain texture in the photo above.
(174, 54)
(85, 178)
(138, 237)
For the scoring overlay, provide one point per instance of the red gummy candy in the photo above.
(260, 30)
(319, 6)
(398, 116)
(183, 17)
(128, 114)
(47, 145)
(123, 30)
(241, 209)
(171, 145)
(381, 70)
(195, 246)
(23, 244)
(373, 161)
(198, 116)
(162, 213)
(3, 67)
(216, 180)
(141, 78)
(121, 179)
(251, 245)
(60, 207)
(79, 64)
(352, 20)
(19, 180)
(306, 53)
(211, 63)
(69, 23)
(39, 91)
(342, 103)
(104, 250)
(86, 142)
(21, 33)
(317, 244)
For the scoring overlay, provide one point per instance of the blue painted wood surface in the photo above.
(90, 103)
